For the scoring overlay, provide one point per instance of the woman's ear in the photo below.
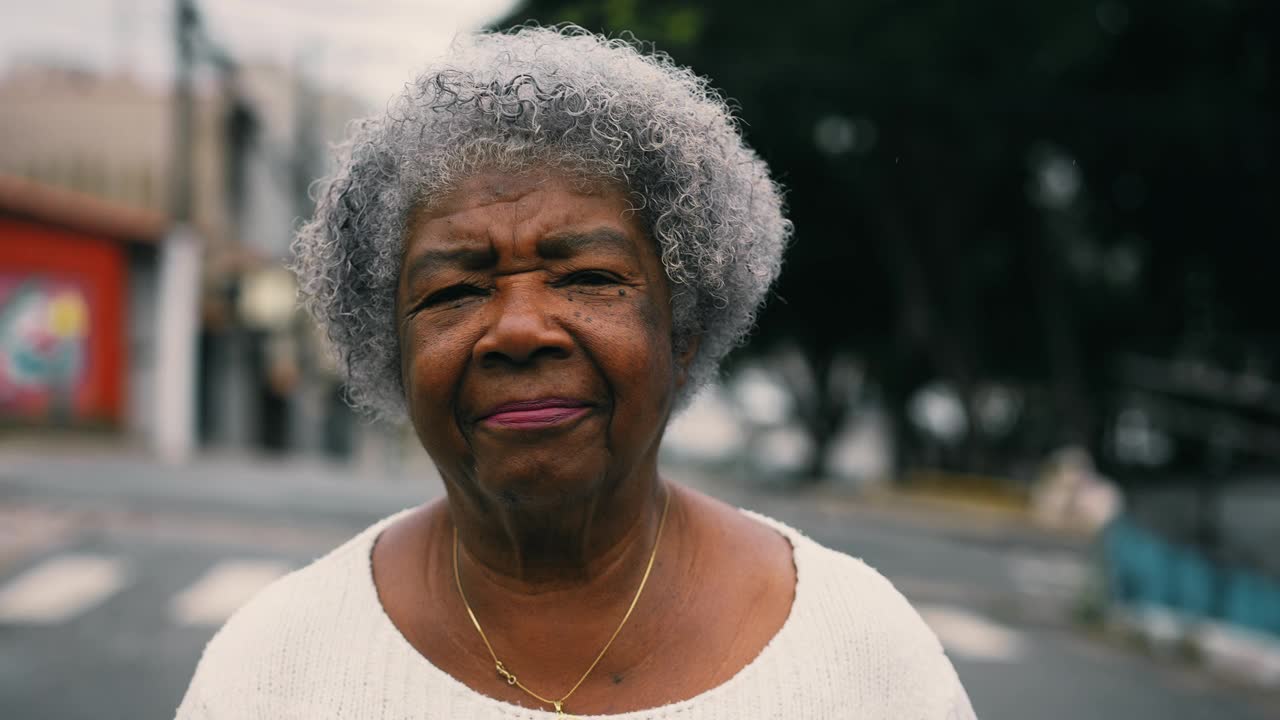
(686, 349)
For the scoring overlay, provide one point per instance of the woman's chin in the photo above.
(543, 492)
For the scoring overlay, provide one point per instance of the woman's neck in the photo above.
(532, 549)
(548, 619)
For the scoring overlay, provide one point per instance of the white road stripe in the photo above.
(222, 590)
(971, 636)
(1048, 574)
(61, 588)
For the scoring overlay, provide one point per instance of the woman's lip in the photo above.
(537, 404)
(538, 412)
(535, 417)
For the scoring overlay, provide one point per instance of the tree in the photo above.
(1002, 191)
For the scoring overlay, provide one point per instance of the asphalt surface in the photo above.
(115, 572)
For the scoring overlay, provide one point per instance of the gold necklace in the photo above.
(511, 678)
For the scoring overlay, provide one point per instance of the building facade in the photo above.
(78, 295)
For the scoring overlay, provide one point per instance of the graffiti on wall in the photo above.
(44, 345)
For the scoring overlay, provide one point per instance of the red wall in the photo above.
(97, 267)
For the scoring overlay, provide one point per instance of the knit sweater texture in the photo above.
(318, 644)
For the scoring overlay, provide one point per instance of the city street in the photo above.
(115, 572)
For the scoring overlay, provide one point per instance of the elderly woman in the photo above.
(538, 255)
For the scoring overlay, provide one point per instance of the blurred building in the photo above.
(100, 147)
(109, 137)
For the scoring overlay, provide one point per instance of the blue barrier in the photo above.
(1144, 569)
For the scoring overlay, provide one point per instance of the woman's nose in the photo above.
(521, 330)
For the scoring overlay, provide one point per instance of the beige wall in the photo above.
(109, 136)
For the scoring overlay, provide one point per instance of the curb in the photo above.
(1242, 654)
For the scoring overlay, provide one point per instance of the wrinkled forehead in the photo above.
(497, 165)
(493, 206)
(500, 187)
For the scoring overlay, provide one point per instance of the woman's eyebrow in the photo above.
(567, 244)
(463, 258)
(558, 246)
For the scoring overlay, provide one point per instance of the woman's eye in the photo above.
(591, 278)
(451, 293)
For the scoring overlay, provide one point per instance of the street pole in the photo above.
(177, 325)
(307, 406)
(184, 23)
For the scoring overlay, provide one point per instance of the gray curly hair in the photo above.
(556, 97)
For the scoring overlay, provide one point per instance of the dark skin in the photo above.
(515, 288)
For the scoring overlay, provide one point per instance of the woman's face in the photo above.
(535, 335)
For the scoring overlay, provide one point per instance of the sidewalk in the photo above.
(969, 518)
(262, 487)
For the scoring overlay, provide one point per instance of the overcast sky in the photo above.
(370, 47)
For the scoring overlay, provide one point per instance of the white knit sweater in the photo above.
(317, 644)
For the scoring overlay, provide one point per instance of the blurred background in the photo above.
(1022, 358)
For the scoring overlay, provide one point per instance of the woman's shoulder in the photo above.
(848, 614)
(842, 589)
(301, 617)
(830, 585)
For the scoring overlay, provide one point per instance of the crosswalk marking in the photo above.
(61, 588)
(222, 590)
(1048, 574)
(972, 636)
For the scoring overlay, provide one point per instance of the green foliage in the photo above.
(1004, 191)
(669, 25)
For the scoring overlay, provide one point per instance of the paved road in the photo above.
(113, 575)
(126, 652)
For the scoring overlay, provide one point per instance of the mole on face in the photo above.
(617, 678)
(622, 293)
